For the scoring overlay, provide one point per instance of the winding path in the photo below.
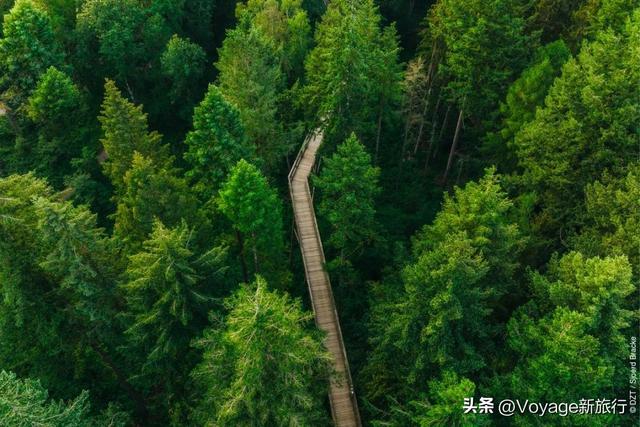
(344, 407)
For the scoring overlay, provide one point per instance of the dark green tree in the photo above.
(27, 48)
(349, 184)
(151, 192)
(255, 212)
(216, 143)
(125, 132)
(262, 365)
(586, 126)
(353, 76)
(168, 300)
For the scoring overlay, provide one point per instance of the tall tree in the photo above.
(579, 134)
(151, 192)
(216, 143)
(255, 212)
(349, 184)
(125, 131)
(262, 365)
(523, 98)
(57, 108)
(479, 47)
(167, 304)
(353, 76)
(250, 77)
(447, 317)
(27, 48)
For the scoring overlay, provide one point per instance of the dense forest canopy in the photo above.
(477, 192)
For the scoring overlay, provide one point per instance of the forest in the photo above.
(476, 190)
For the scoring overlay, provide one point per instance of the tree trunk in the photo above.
(454, 145)
(433, 132)
(256, 264)
(243, 262)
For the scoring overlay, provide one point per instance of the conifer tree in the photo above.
(447, 316)
(216, 143)
(262, 365)
(579, 134)
(167, 305)
(125, 131)
(26, 403)
(151, 192)
(353, 76)
(27, 48)
(250, 78)
(349, 184)
(255, 212)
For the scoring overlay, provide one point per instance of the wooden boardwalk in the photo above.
(344, 407)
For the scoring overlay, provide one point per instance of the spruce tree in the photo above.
(216, 143)
(125, 131)
(262, 365)
(255, 212)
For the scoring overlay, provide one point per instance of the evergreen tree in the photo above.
(447, 317)
(353, 77)
(216, 143)
(27, 49)
(183, 64)
(586, 126)
(524, 97)
(125, 131)
(255, 212)
(286, 24)
(250, 78)
(262, 366)
(25, 403)
(349, 184)
(151, 192)
(167, 304)
(57, 109)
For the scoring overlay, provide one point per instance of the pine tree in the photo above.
(250, 78)
(353, 77)
(167, 305)
(151, 192)
(255, 212)
(57, 109)
(26, 403)
(587, 126)
(216, 143)
(262, 365)
(183, 64)
(447, 315)
(125, 131)
(27, 48)
(349, 184)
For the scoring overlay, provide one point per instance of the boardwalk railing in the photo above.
(344, 406)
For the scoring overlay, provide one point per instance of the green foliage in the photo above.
(483, 46)
(286, 24)
(349, 184)
(447, 316)
(255, 212)
(183, 65)
(216, 143)
(588, 125)
(262, 366)
(251, 79)
(151, 191)
(352, 74)
(167, 302)
(125, 132)
(27, 49)
(25, 403)
(524, 96)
